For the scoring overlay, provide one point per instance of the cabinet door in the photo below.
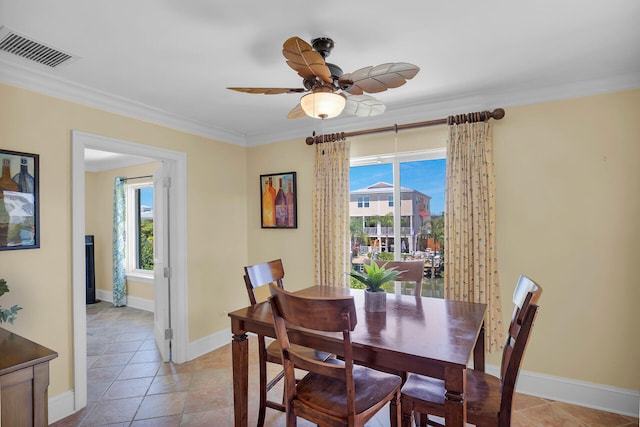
(16, 392)
(23, 397)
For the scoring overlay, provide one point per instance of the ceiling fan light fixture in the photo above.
(322, 105)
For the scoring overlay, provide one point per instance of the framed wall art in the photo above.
(278, 204)
(19, 201)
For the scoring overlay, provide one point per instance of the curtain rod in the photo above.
(482, 116)
(138, 177)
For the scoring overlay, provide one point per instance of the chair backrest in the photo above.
(261, 274)
(525, 299)
(513, 352)
(411, 271)
(330, 314)
(526, 292)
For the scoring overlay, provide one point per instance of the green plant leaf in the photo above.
(7, 315)
(375, 276)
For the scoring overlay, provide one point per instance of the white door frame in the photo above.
(161, 260)
(178, 250)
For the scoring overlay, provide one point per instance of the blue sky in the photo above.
(146, 196)
(426, 176)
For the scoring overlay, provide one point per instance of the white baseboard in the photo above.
(209, 343)
(581, 393)
(133, 302)
(61, 406)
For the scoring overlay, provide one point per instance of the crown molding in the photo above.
(439, 107)
(419, 110)
(16, 75)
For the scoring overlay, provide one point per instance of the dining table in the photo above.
(429, 336)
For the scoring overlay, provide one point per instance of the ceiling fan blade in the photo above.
(268, 90)
(363, 106)
(304, 60)
(379, 78)
(296, 113)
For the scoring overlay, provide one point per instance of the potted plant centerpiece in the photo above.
(374, 278)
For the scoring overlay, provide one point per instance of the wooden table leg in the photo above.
(240, 356)
(478, 352)
(455, 406)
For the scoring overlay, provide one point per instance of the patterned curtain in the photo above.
(471, 269)
(119, 242)
(331, 214)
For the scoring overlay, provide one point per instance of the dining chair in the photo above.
(489, 398)
(335, 392)
(411, 271)
(256, 276)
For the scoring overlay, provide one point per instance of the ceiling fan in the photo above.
(330, 91)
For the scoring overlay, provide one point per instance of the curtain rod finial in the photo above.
(498, 113)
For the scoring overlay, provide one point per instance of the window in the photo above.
(363, 202)
(390, 201)
(140, 229)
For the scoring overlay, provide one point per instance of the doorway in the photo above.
(175, 163)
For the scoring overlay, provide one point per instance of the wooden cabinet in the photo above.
(24, 379)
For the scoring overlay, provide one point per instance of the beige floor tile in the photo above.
(592, 417)
(139, 370)
(159, 405)
(207, 398)
(171, 383)
(170, 421)
(128, 388)
(112, 411)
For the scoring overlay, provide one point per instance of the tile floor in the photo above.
(129, 385)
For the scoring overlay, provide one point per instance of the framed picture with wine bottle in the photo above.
(19, 201)
(278, 200)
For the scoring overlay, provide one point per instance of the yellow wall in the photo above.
(40, 279)
(568, 201)
(568, 206)
(99, 222)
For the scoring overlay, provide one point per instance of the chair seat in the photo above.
(482, 395)
(274, 355)
(329, 395)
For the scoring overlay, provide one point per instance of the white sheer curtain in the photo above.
(471, 269)
(331, 214)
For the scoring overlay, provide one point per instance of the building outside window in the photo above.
(415, 226)
(418, 182)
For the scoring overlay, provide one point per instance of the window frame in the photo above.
(363, 202)
(395, 159)
(133, 272)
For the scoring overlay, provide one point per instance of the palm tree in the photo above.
(386, 221)
(356, 227)
(437, 230)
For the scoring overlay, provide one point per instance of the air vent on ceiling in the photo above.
(17, 44)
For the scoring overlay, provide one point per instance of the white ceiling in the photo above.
(99, 161)
(170, 61)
